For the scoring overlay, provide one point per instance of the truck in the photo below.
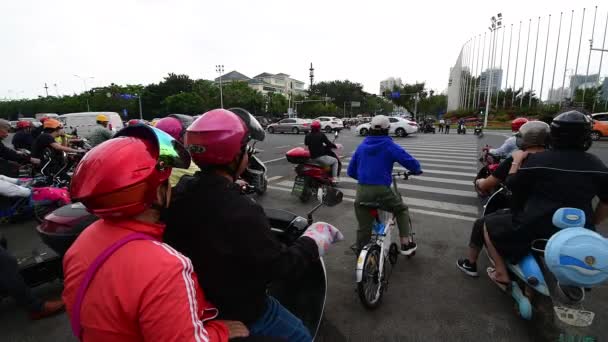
(48, 115)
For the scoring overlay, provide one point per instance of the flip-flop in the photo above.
(504, 286)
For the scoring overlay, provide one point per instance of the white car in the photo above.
(330, 123)
(399, 127)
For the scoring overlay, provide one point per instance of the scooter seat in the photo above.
(371, 205)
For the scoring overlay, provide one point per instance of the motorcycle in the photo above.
(304, 296)
(310, 175)
(42, 201)
(489, 163)
(478, 131)
(461, 129)
(255, 174)
(550, 283)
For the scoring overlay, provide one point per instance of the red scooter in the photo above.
(310, 175)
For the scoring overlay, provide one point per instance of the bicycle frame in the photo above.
(384, 238)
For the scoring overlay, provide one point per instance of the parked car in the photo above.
(330, 123)
(263, 121)
(600, 126)
(290, 125)
(399, 127)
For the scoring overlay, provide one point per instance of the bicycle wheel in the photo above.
(371, 287)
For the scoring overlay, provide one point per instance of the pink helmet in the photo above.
(315, 125)
(216, 138)
(171, 126)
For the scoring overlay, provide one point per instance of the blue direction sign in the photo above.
(395, 95)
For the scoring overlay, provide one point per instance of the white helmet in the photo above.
(380, 122)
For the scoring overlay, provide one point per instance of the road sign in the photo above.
(355, 104)
(395, 95)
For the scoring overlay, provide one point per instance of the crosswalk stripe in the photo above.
(416, 202)
(429, 189)
(441, 148)
(441, 172)
(447, 166)
(442, 153)
(440, 160)
(472, 159)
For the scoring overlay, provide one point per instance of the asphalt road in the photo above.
(428, 298)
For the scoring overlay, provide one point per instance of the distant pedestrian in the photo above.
(441, 124)
(448, 122)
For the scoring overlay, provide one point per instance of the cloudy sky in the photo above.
(127, 41)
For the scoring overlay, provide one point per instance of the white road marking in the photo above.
(449, 166)
(271, 179)
(472, 158)
(447, 161)
(414, 202)
(273, 160)
(283, 146)
(441, 151)
(441, 172)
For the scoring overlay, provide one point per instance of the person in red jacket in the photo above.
(122, 283)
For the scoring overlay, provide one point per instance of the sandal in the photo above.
(504, 286)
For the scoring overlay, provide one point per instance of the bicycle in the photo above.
(372, 271)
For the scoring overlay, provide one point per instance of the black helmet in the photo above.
(571, 130)
(256, 132)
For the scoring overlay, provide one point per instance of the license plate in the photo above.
(298, 186)
(578, 318)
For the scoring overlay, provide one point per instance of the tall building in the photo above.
(605, 89)
(557, 95)
(390, 83)
(496, 80)
(583, 81)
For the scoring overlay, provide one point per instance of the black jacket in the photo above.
(318, 144)
(547, 181)
(12, 155)
(23, 139)
(228, 238)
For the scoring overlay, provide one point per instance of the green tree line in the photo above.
(182, 94)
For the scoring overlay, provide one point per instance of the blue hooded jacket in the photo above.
(372, 163)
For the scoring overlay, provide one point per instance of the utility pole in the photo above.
(220, 70)
(46, 89)
(312, 75)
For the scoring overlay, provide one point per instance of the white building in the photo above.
(267, 83)
(557, 95)
(389, 84)
(496, 80)
(454, 85)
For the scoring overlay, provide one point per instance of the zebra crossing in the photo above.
(445, 189)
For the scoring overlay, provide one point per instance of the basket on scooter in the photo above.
(576, 256)
(298, 155)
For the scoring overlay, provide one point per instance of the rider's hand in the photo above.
(417, 173)
(35, 161)
(324, 234)
(236, 329)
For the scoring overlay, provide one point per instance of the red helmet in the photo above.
(114, 195)
(216, 138)
(43, 119)
(315, 125)
(133, 122)
(23, 124)
(517, 123)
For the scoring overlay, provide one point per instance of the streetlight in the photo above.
(496, 24)
(84, 81)
(220, 70)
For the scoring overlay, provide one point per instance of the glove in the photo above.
(324, 234)
(417, 173)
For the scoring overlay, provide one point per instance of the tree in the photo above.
(276, 104)
(238, 94)
(184, 103)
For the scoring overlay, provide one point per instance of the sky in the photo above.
(139, 42)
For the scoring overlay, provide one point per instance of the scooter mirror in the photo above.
(336, 134)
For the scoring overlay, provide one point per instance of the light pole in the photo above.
(220, 70)
(84, 81)
(496, 24)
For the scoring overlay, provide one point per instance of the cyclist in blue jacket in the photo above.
(372, 166)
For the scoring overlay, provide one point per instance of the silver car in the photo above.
(291, 125)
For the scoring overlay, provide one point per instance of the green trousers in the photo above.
(389, 201)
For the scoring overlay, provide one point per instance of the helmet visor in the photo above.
(255, 130)
(170, 152)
